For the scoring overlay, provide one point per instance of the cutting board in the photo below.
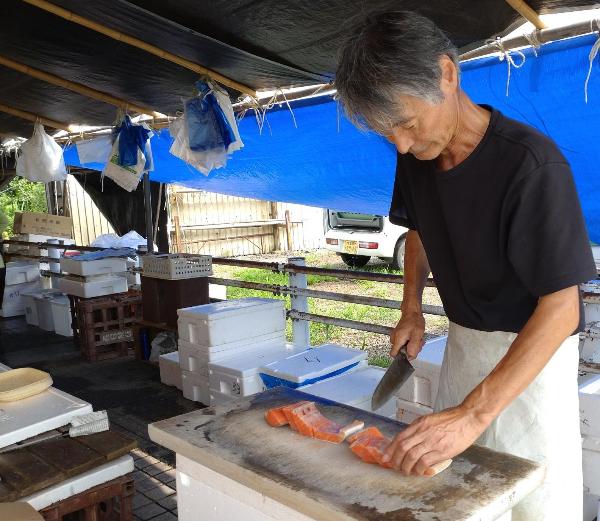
(327, 481)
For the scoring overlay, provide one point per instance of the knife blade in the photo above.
(393, 379)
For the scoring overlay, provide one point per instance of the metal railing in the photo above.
(296, 288)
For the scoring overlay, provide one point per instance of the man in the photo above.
(493, 213)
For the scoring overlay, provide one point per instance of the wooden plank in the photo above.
(22, 473)
(111, 445)
(68, 456)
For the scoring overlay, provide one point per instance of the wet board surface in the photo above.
(327, 481)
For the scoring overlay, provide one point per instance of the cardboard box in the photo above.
(43, 224)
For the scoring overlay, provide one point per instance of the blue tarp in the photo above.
(326, 162)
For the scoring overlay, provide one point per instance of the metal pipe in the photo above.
(148, 206)
(299, 302)
(543, 36)
(341, 322)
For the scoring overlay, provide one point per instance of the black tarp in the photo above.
(125, 210)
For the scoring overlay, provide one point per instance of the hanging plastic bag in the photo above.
(95, 150)
(207, 125)
(127, 177)
(132, 139)
(225, 104)
(41, 158)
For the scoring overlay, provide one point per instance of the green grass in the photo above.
(380, 361)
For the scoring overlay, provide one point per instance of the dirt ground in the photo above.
(377, 345)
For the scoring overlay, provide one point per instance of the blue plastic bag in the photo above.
(131, 138)
(207, 125)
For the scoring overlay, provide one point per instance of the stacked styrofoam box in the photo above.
(214, 332)
(20, 277)
(354, 388)
(417, 396)
(312, 365)
(238, 376)
(589, 413)
(93, 278)
(170, 372)
(61, 315)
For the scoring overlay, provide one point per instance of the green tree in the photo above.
(22, 196)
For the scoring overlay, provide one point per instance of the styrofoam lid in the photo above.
(230, 307)
(314, 363)
(173, 356)
(433, 350)
(351, 388)
(249, 362)
(60, 300)
(591, 386)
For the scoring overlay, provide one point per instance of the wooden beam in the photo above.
(77, 87)
(140, 44)
(33, 117)
(527, 12)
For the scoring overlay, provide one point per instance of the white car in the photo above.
(357, 237)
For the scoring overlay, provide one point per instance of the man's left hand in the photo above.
(434, 438)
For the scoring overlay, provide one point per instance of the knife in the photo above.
(393, 379)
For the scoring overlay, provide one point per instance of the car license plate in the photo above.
(351, 247)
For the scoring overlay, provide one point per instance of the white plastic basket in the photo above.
(175, 266)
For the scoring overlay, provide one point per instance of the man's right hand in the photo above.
(410, 329)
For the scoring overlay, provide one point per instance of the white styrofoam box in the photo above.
(591, 464)
(592, 312)
(80, 483)
(13, 301)
(43, 412)
(407, 412)
(589, 407)
(170, 372)
(230, 321)
(219, 498)
(217, 292)
(591, 507)
(192, 355)
(195, 387)
(589, 344)
(239, 374)
(218, 398)
(93, 267)
(44, 309)
(596, 254)
(61, 315)
(20, 272)
(353, 388)
(387, 410)
(311, 365)
(95, 286)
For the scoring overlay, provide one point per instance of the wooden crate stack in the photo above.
(104, 327)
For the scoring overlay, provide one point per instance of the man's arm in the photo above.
(411, 326)
(437, 437)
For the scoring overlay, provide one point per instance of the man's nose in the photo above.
(401, 139)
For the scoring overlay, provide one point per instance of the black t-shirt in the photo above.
(500, 229)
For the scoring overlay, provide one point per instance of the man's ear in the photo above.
(449, 77)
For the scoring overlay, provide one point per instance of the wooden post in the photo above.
(527, 12)
(178, 244)
(273, 215)
(288, 230)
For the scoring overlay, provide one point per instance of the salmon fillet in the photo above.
(370, 445)
(276, 417)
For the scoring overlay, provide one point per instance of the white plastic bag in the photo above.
(202, 161)
(127, 177)
(95, 150)
(40, 158)
(225, 104)
(162, 344)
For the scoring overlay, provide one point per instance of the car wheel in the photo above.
(355, 261)
(398, 260)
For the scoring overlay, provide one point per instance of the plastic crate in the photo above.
(175, 266)
(105, 327)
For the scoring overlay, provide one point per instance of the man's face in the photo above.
(425, 129)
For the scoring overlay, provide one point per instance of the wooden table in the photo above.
(230, 462)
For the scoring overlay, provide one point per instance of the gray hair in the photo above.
(387, 54)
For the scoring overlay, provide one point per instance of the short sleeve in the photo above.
(548, 244)
(401, 212)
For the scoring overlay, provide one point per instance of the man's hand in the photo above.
(434, 438)
(411, 329)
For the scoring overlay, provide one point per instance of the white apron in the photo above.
(542, 424)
